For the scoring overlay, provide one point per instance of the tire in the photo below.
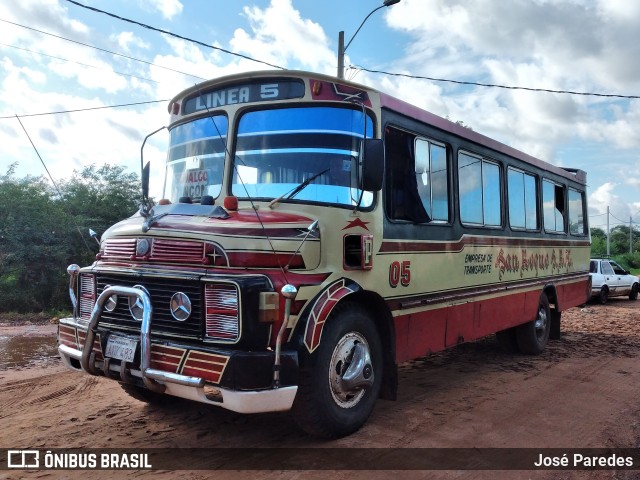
(508, 340)
(145, 395)
(324, 406)
(604, 295)
(554, 332)
(633, 295)
(534, 335)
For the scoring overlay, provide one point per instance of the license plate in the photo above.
(121, 348)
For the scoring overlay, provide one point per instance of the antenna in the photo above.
(310, 229)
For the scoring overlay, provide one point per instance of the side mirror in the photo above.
(145, 182)
(94, 235)
(372, 165)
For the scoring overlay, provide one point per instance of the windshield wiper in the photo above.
(297, 190)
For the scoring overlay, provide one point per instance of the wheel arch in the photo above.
(308, 332)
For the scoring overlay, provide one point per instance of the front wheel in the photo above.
(534, 335)
(634, 292)
(339, 387)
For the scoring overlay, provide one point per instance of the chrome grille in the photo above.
(123, 248)
(177, 251)
(87, 295)
(161, 290)
(222, 314)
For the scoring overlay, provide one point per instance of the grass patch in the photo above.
(17, 318)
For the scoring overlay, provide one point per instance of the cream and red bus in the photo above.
(312, 235)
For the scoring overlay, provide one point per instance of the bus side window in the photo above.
(523, 212)
(479, 191)
(576, 213)
(432, 179)
(554, 206)
(402, 198)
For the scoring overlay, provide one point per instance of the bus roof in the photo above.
(404, 108)
(399, 106)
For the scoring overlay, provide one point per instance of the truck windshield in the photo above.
(196, 159)
(278, 149)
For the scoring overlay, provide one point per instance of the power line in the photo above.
(167, 32)
(102, 49)
(78, 63)
(617, 218)
(51, 177)
(84, 109)
(491, 85)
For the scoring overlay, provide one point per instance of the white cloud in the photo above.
(128, 39)
(281, 36)
(610, 195)
(168, 8)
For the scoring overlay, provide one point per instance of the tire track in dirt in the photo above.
(21, 392)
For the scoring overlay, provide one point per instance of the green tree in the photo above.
(33, 244)
(96, 198)
(620, 239)
(598, 242)
(42, 232)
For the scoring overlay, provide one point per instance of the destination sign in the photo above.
(246, 93)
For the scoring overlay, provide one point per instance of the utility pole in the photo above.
(608, 234)
(341, 46)
(630, 235)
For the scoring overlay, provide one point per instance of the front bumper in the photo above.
(240, 381)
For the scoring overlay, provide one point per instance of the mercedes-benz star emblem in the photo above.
(180, 306)
(112, 302)
(136, 307)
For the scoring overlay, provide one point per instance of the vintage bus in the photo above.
(313, 234)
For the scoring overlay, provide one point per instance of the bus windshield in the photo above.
(196, 159)
(278, 149)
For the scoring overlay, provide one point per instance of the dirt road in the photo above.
(582, 392)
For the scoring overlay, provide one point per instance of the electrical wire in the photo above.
(84, 109)
(491, 85)
(167, 32)
(617, 218)
(78, 63)
(52, 180)
(102, 49)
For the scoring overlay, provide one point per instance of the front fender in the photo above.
(313, 317)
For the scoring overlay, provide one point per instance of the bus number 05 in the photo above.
(400, 273)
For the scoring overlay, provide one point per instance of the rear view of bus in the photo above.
(311, 235)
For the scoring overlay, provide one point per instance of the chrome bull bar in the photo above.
(151, 377)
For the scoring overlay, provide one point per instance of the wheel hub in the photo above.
(350, 370)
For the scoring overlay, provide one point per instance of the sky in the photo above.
(589, 46)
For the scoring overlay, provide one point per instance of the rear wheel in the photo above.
(534, 335)
(634, 292)
(339, 388)
(604, 295)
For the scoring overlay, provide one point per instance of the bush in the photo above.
(42, 232)
(628, 260)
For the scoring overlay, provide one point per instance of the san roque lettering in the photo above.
(558, 260)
